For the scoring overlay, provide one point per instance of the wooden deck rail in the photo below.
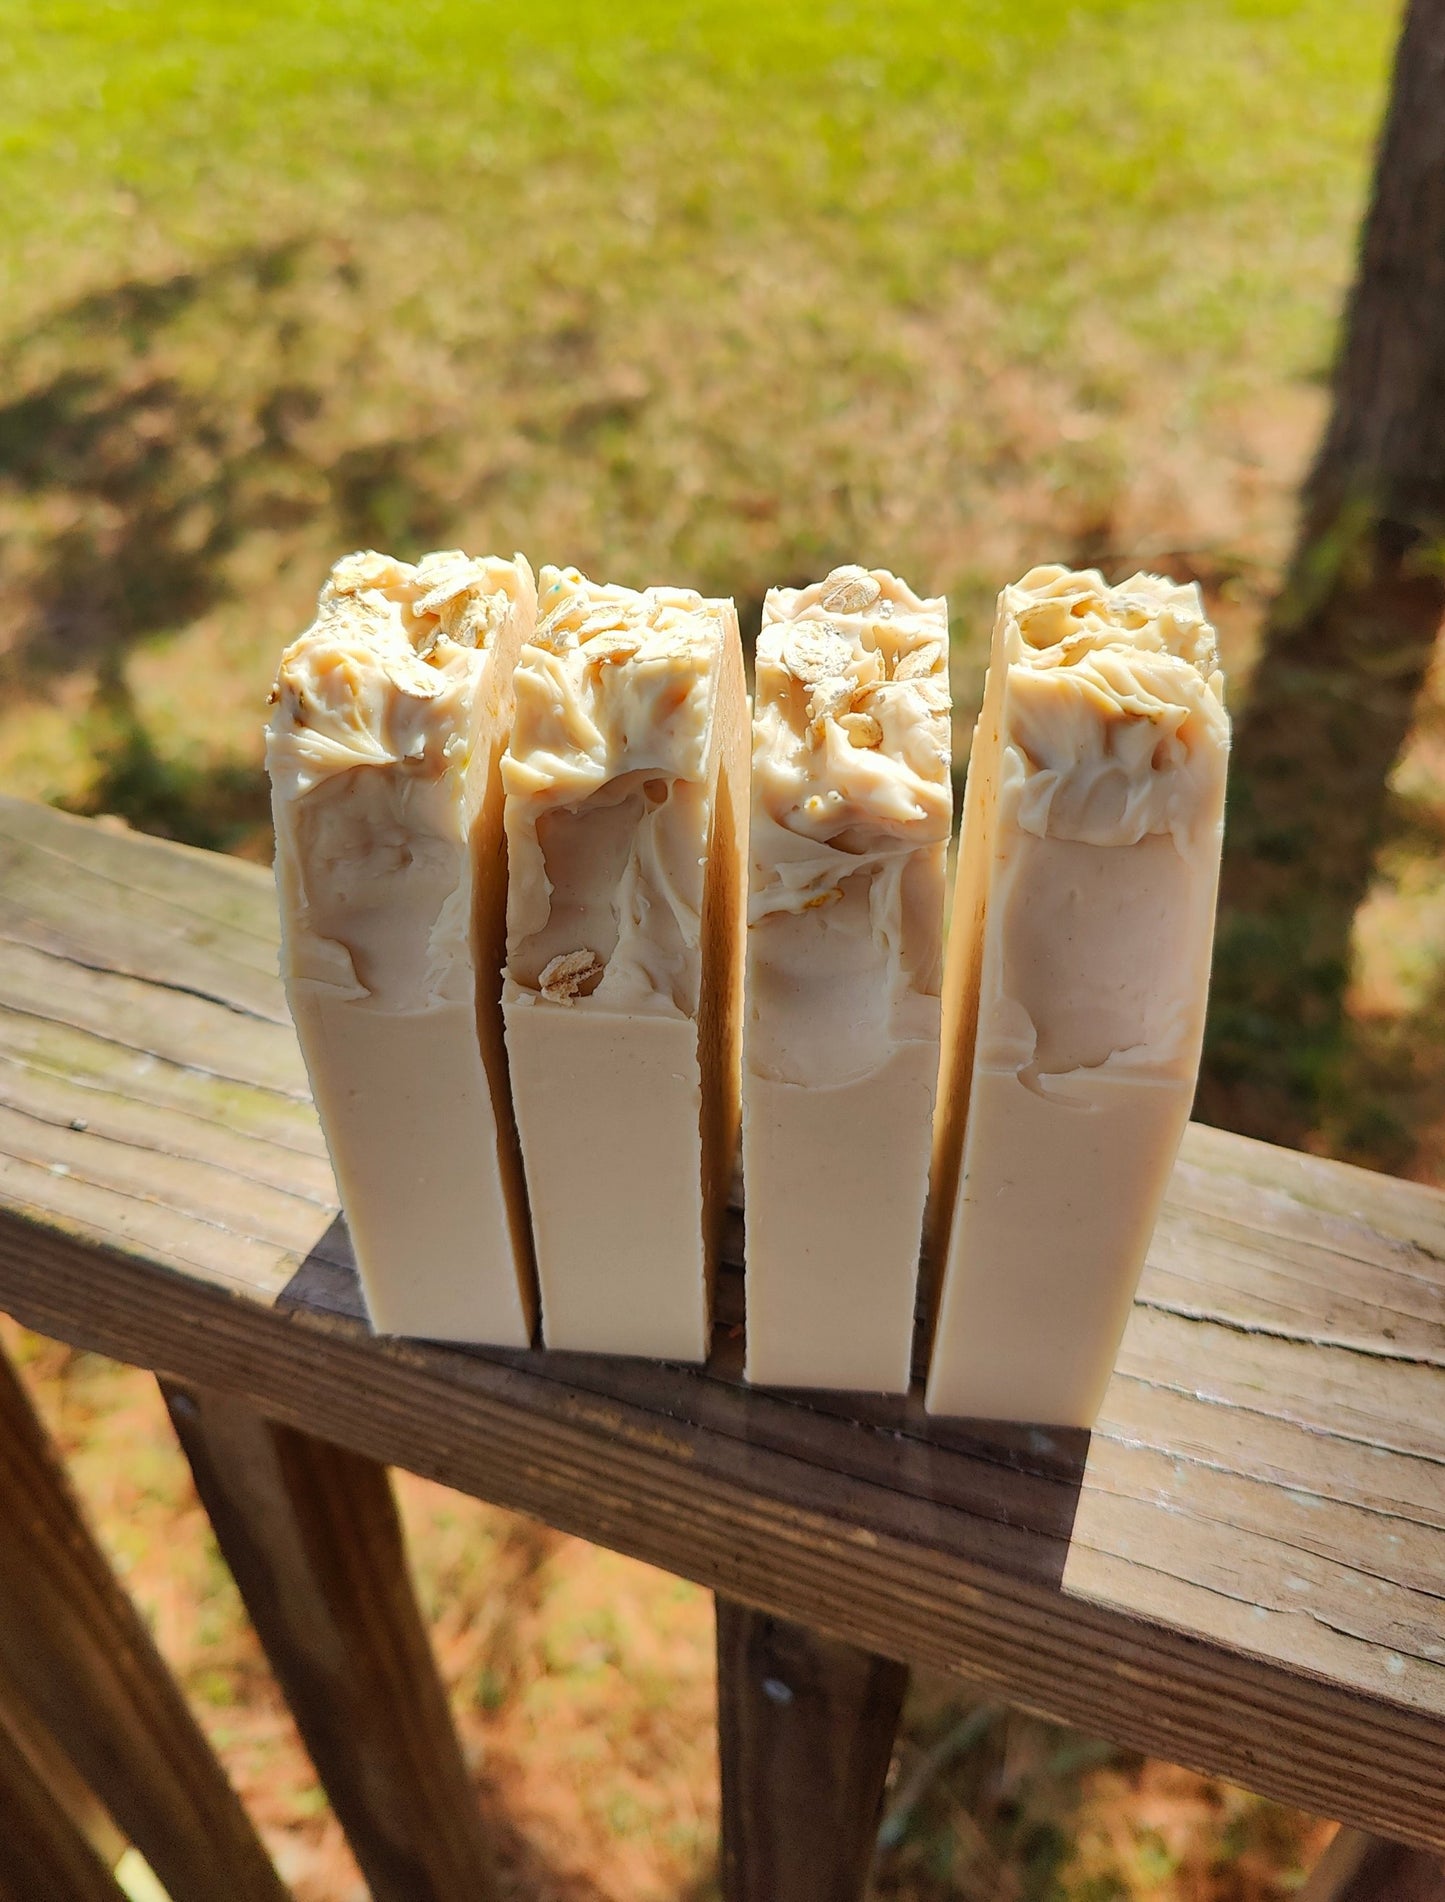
(1241, 1570)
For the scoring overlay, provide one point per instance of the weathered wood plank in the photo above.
(146, 1227)
(230, 893)
(59, 888)
(73, 1649)
(43, 1856)
(151, 1020)
(312, 1536)
(854, 1558)
(59, 1775)
(262, 1119)
(1257, 1235)
(805, 1736)
(1361, 1868)
(267, 1170)
(176, 1127)
(36, 1130)
(1242, 1569)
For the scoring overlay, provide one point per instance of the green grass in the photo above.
(723, 294)
(1059, 151)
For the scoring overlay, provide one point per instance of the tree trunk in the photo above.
(1346, 646)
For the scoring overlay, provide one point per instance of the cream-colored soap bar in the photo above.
(626, 824)
(851, 805)
(384, 749)
(1077, 977)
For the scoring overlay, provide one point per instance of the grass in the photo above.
(722, 294)
(721, 297)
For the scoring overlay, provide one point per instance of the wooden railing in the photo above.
(1242, 1569)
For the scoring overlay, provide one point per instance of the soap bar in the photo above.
(1077, 977)
(851, 807)
(389, 716)
(626, 818)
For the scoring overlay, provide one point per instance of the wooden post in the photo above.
(62, 1780)
(1361, 1868)
(78, 1656)
(805, 1732)
(44, 1857)
(312, 1535)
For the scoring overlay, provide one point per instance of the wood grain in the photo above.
(311, 1534)
(805, 1736)
(1241, 1570)
(74, 1651)
(44, 1857)
(59, 1775)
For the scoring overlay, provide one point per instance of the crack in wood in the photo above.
(153, 1149)
(156, 1056)
(1324, 1343)
(187, 1112)
(178, 989)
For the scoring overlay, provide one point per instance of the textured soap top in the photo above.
(378, 712)
(611, 682)
(850, 735)
(383, 674)
(606, 782)
(1110, 775)
(1115, 706)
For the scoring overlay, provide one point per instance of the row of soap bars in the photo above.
(563, 914)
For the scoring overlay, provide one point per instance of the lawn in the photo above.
(720, 298)
(719, 295)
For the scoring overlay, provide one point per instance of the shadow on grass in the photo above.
(992, 1805)
(983, 1802)
(148, 429)
(1331, 707)
(1383, 1099)
(524, 1874)
(524, 1870)
(223, 805)
(140, 470)
(149, 432)
(381, 500)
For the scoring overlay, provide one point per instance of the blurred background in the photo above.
(722, 295)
